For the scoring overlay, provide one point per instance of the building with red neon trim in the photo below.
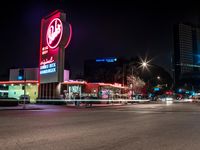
(70, 88)
(50, 80)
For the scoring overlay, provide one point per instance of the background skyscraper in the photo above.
(186, 53)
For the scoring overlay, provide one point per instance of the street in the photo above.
(133, 126)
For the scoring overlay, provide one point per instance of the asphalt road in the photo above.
(130, 127)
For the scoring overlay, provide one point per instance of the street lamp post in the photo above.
(132, 82)
(24, 105)
(144, 65)
(123, 74)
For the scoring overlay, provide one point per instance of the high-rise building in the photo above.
(186, 52)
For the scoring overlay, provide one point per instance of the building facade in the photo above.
(186, 52)
(102, 69)
(69, 89)
(18, 86)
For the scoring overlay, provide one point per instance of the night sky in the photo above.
(100, 29)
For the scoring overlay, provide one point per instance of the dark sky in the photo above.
(100, 29)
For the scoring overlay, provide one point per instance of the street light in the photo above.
(158, 77)
(144, 63)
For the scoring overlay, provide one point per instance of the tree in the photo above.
(135, 83)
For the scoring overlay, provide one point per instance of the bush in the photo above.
(61, 102)
(8, 102)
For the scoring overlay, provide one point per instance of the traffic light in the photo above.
(21, 74)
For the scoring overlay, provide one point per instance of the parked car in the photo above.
(25, 98)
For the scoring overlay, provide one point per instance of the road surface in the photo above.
(129, 127)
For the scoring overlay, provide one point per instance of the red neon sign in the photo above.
(70, 35)
(47, 61)
(54, 33)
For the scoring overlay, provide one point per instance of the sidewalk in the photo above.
(95, 105)
(49, 106)
(21, 107)
(69, 105)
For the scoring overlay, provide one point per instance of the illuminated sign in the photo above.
(106, 60)
(70, 36)
(156, 89)
(19, 77)
(54, 33)
(55, 36)
(47, 61)
(45, 50)
(48, 68)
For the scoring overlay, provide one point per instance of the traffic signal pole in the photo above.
(24, 105)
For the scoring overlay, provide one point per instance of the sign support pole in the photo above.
(24, 105)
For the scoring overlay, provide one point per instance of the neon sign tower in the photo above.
(55, 36)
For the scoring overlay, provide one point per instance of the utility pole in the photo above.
(123, 75)
(24, 105)
(132, 81)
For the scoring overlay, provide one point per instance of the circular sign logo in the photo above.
(54, 33)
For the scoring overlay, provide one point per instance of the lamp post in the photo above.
(132, 83)
(24, 105)
(144, 64)
(123, 74)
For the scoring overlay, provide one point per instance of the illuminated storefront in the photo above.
(104, 90)
(83, 90)
(15, 89)
(73, 89)
(70, 89)
(21, 84)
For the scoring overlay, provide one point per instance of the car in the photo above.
(25, 98)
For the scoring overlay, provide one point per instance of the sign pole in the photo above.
(24, 105)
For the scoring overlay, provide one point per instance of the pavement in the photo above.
(44, 106)
(21, 107)
(134, 127)
(72, 105)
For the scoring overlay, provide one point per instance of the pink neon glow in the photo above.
(73, 83)
(116, 85)
(44, 52)
(46, 61)
(18, 82)
(54, 30)
(70, 35)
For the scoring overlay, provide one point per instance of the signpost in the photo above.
(22, 76)
(24, 105)
(55, 36)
